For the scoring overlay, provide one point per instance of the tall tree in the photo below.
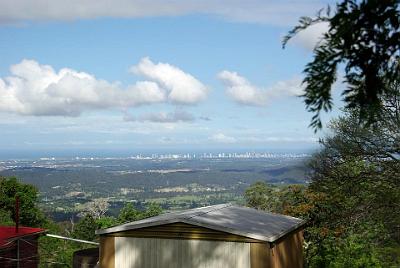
(30, 214)
(365, 37)
(359, 183)
(85, 229)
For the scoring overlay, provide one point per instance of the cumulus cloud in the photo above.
(182, 87)
(35, 89)
(311, 36)
(222, 138)
(284, 12)
(240, 90)
(162, 117)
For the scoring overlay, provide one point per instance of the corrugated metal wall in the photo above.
(172, 253)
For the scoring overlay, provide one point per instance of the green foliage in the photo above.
(353, 197)
(85, 229)
(106, 222)
(30, 214)
(129, 213)
(56, 252)
(152, 210)
(5, 218)
(261, 196)
(365, 37)
(295, 200)
(357, 174)
(361, 246)
(341, 231)
(354, 251)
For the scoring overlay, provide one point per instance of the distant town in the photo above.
(191, 156)
(220, 155)
(54, 162)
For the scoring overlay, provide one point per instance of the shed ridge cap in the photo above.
(228, 230)
(269, 212)
(215, 208)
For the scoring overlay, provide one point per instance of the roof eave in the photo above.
(13, 238)
(127, 227)
(284, 233)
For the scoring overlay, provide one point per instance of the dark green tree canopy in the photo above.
(85, 229)
(365, 37)
(353, 195)
(30, 214)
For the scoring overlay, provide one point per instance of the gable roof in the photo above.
(243, 221)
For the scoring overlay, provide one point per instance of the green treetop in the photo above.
(364, 36)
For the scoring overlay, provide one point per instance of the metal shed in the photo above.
(214, 236)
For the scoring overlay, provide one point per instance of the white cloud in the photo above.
(284, 12)
(182, 87)
(311, 36)
(240, 90)
(35, 89)
(162, 117)
(222, 138)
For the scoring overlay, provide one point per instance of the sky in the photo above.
(154, 75)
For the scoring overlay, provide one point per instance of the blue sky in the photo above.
(162, 77)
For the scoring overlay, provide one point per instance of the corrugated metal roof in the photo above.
(243, 221)
(9, 233)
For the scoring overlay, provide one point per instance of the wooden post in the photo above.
(16, 214)
(17, 225)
